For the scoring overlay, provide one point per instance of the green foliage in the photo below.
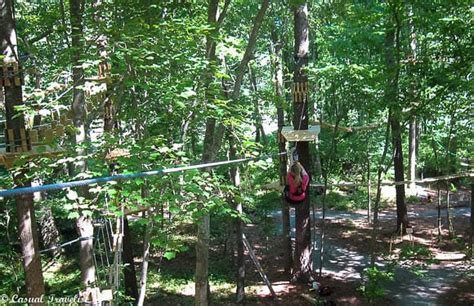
(409, 251)
(165, 89)
(373, 287)
(11, 270)
(343, 200)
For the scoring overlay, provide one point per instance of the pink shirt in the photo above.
(294, 189)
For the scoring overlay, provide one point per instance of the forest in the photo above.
(236, 152)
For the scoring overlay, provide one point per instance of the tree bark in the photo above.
(129, 274)
(471, 238)
(448, 210)
(402, 217)
(85, 229)
(146, 255)
(235, 178)
(104, 70)
(412, 152)
(27, 230)
(285, 210)
(213, 137)
(439, 210)
(380, 171)
(412, 138)
(84, 224)
(202, 289)
(303, 260)
(392, 62)
(259, 131)
(249, 50)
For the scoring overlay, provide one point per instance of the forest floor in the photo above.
(438, 276)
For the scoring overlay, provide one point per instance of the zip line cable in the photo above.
(66, 244)
(123, 177)
(61, 246)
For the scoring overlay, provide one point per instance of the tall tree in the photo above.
(84, 224)
(413, 131)
(213, 135)
(392, 62)
(202, 289)
(303, 260)
(16, 122)
(235, 178)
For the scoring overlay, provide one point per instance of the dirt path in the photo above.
(346, 254)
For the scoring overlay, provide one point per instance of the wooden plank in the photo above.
(59, 130)
(48, 136)
(42, 134)
(6, 80)
(10, 140)
(24, 142)
(33, 137)
(16, 73)
(311, 134)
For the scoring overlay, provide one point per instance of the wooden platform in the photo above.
(311, 134)
(7, 159)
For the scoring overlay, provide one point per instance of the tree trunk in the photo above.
(201, 296)
(448, 210)
(249, 50)
(85, 229)
(412, 138)
(402, 217)
(285, 210)
(129, 274)
(302, 265)
(84, 225)
(439, 211)
(235, 178)
(146, 255)
(380, 171)
(24, 203)
(213, 137)
(471, 238)
(392, 62)
(104, 69)
(259, 132)
(412, 153)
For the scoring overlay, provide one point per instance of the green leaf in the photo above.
(169, 255)
(87, 213)
(73, 215)
(188, 93)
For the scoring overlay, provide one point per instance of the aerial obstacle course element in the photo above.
(292, 135)
(31, 142)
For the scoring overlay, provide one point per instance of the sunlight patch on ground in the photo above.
(280, 288)
(187, 288)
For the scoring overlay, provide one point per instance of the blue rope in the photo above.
(122, 177)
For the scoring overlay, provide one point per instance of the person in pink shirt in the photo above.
(298, 179)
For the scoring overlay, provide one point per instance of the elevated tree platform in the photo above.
(26, 144)
(311, 134)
